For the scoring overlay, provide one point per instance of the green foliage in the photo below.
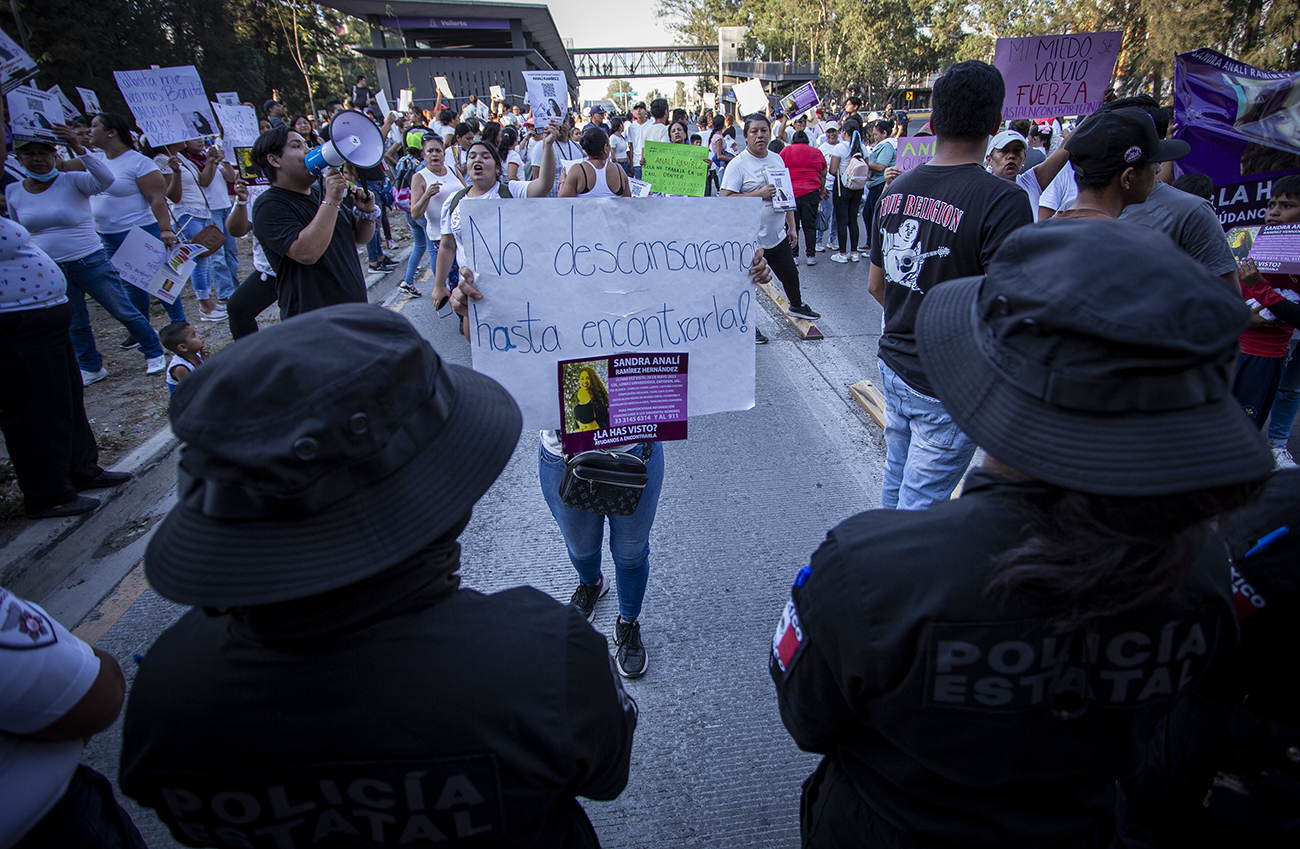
(617, 87)
(872, 47)
(236, 45)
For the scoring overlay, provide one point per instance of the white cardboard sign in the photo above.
(70, 112)
(238, 124)
(90, 100)
(33, 114)
(584, 278)
(750, 97)
(443, 87)
(169, 104)
(14, 61)
(139, 259)
(382, 100)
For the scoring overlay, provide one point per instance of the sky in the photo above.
(622, 23)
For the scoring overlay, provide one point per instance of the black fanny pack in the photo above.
(605, 482)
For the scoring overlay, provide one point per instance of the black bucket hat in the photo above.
(319, 452)
(1097, 356)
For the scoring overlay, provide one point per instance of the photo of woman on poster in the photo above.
(1268, 111)
(588, 400)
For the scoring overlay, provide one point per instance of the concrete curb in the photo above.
(69, 565)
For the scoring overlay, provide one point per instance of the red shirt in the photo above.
(1269, 342)
(805, 163)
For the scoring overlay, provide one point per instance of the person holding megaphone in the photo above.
(310, 235)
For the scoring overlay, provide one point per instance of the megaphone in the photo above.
(354, 139)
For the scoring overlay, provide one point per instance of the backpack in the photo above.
(856, 173)
(502, 191)
(406, 168)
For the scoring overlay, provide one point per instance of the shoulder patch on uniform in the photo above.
(22, 626)
(788, 639)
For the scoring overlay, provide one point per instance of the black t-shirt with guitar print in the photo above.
(936, 223)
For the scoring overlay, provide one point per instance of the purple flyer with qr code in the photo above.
(621, 399)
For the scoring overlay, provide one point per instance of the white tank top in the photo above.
(600, 189)
(433, 212)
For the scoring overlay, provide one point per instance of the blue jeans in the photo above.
(1287, 402)
(95, 276)
(826, 219)
(373, 249)
(629, 536)
(453, 276)
(225, 262)
(420, 245)
(926, 453)
(138, 297)
(636, 172)
(201, 277)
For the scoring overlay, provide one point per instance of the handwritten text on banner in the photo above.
(1054, 75)
(565, 279)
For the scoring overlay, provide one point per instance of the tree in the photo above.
(617, 87)
(679, 94)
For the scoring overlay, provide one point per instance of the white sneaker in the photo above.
(215, 315)
(839, 258)
(796, 259)
(1282, 458)
(89, 377)
(821, 246)
(855, 256)
(812, 260)
(155, 365)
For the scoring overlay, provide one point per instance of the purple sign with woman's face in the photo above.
(1240, 120)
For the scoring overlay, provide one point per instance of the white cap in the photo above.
(831, 125)
(1003, 139)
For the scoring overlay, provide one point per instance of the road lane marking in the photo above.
(130, 589)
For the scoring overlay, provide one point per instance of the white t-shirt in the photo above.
(1061, 192)
(433, 212)
(562, 151)
(746, 173)
(653, 132)
(44, 672)
(121, 206)
(215, 193)
(634, 133)
(192, 201)
(59, 218)
(619, 146)
(515, 157)
(828, 150)
(1028, 181)
(450, 219)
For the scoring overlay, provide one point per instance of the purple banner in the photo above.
(1242, 201)
(417, 22)
(1240, 120)
(1048, 76)
(609, 401)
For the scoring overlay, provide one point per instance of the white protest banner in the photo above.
(70, 112)
(230, 98)
(548, 96)
(15, 64)
(33, 114)
(169, 104)
(382, 102)
(404, 98)
(443, 88)
(574, 279)
(238, 124)
(139, 259)
(1051, 75)
(90, 100)
(498, 93)
(750, 97)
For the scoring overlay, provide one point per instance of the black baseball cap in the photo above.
(1112, 140)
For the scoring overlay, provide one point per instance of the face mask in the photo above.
(42, 178)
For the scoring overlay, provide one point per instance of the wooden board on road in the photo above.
(866, 394)
(807, 329)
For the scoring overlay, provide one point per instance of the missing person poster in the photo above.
(676, 169)
(606, 278)
(1276, 249)
(90, 100)
(801, 100)
(169, 104)
(33, 114)
(238, 124)
(15, 64)
(623, 398)
(548, 96)
(1049, 76)
(780, 180)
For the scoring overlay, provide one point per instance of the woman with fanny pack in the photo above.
(847, 198)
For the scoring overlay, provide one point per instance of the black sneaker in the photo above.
(804, 311)
(585, 597)
(128, 343)
(759, 338)
(630, 656)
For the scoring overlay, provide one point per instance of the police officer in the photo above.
(982, 672)
(334, 685)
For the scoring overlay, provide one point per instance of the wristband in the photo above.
(369, 216)
(327, 203)
(241, 203)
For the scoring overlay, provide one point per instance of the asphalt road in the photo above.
(745, 502)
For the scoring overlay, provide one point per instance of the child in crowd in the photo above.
(188, 351)
(1264, 348)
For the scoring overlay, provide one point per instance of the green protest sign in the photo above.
(676, 169)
